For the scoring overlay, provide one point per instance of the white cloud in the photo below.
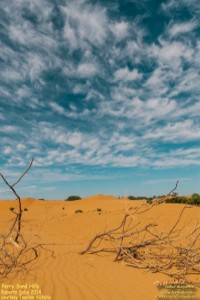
(172, 180)
(175, 132)
(124, 74)
(7, 150)
(23, 92)
(12, 75)
(90, 24)
(87, 70)
(172, 53)
(75, 139)
(80, 88)
(171, 161)
(188, 82)
(57, 108)
(158, 81)
(120, 30)
(35, 49)
(36, 65)
(8, 129)
(71, 112)
(170, 5)
(21, 147)
(182, 28)
(70, 35)
(191, 153)
(143, 112)
(127, 114)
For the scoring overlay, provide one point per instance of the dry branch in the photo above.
(19, 214)
(144, 247)
(15, 254)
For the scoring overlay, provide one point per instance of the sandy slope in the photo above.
(65, 274)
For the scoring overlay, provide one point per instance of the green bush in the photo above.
(25, 209)
(99, 209)
(195, 199)
(73, 198)
(131, 198)
(185, 200)
(11, 208)
(177, 200)
(149, 200)
(136, 198)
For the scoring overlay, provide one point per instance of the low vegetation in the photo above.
(193, 200)
(190, 200)
(140, 198)
(73, 198)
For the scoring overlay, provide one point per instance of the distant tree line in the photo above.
(148, 199)
(73, 198)
(193, 200)
(144, 197)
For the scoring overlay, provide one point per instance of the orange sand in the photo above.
(71, 276)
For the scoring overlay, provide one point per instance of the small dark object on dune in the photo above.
(78, 211)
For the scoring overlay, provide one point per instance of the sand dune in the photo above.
(100, 197)
(61, 271)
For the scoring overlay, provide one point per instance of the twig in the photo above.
(143, 247)
(19, 215)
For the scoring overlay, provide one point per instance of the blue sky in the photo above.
(104, 94)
